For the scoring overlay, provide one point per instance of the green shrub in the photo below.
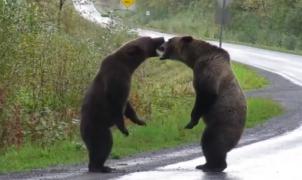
(48, 58)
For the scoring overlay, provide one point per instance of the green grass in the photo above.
(166, 129)
(31, 157)
(248, 78)
(168, 85)
(260, 110)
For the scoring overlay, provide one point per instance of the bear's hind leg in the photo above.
(99, 149)
(214, 149)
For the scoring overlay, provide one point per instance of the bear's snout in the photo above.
(156, 43)
(160, 51)
(161, 48)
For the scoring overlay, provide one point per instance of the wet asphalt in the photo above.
(280, 89)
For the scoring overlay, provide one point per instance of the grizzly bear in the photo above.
(106, 101)
(219, 98)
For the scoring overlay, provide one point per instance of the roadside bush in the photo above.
(47, 60)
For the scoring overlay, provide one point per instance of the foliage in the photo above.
(265, 22)
(47, 61)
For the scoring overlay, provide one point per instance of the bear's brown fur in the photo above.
(106, 101)
(219, 98)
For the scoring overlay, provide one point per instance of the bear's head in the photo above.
(185, 49)
(174, 48)
(189, 50)
(142, 48)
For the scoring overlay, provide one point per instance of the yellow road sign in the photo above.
(127, 3)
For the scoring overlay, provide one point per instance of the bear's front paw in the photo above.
(190, 125)
(125, 132)
(141, 122)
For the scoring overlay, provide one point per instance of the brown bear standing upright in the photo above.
(219, 98)
(106, 101)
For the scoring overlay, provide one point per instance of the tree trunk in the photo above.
(61, 4)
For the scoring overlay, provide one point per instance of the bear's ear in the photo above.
(187, 39)
(134, 50)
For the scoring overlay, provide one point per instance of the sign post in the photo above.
(222, 17)
(222, 23)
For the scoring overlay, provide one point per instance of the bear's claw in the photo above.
(141, 123)
(190, 125)
(125, 132)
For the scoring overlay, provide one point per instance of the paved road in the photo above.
(270, 151)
